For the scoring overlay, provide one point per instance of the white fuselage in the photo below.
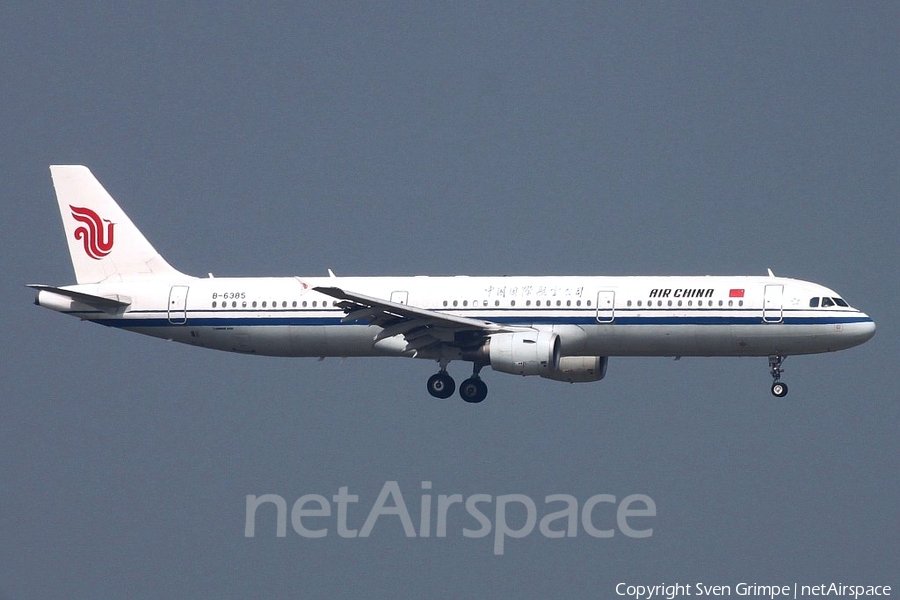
(593, 316)
(559, 328)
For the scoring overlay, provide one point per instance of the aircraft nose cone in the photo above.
(864, 330)
(868, 329)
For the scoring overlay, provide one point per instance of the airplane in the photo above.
(560, 328)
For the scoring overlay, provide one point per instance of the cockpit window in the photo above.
(826, 302)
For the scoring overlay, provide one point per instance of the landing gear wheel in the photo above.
(473, 390)
(779, 390)
(441, 385)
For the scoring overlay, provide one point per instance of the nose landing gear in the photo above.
(779, 389)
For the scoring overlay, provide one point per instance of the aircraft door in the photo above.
(606, 302)
(178, 304)
(772, 304)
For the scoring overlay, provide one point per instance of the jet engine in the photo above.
(579, 369)
(538, 353)
(524, 353)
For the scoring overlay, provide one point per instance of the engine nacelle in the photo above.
(525, 353)
(579, 369)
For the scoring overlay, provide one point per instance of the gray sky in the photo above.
(400, 139)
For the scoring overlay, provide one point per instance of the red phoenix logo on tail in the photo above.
(97, 241)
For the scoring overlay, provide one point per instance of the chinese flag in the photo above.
(736, 293)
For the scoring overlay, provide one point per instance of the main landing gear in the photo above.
(779, 389)
(472, 390)
(441, 385)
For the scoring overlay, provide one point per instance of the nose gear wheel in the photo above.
(779, 389)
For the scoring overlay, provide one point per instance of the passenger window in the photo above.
(814, 302)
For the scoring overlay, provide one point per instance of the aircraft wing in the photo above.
(420, 327)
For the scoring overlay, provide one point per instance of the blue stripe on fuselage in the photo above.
(311, 321)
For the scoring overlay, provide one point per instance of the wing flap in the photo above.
(404, 328)
(371, 309)
(420, 327)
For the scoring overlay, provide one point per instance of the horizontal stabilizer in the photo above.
(104, 303)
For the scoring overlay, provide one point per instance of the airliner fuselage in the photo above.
(561, 328)
(596, 316)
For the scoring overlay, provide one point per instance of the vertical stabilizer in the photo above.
(103, 242)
